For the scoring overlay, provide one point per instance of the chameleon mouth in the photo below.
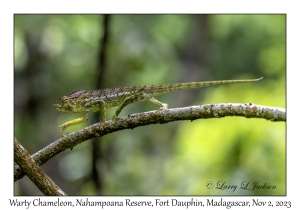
(57, 106)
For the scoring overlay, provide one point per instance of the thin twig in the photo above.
(100, 72)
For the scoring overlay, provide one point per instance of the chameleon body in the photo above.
(84, 102)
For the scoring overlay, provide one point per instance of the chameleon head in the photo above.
(64, 104)
(70, 103)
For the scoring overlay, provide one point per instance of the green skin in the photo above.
(84, 102)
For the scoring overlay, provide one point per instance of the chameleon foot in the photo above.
(62, 129)
(114, 118)
(101, 126)
(164, 106)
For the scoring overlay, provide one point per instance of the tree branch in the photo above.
(154, 117)
(34, 172)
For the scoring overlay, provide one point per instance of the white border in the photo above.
(8, 8)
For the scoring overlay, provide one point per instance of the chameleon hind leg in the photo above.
(138, 97)
(82, 119)
(161, 105)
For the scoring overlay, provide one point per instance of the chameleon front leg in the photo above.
(73, 122)
(97, 105)
(138, 97)
(102, 116)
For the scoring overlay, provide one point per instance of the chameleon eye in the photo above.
(65, 98)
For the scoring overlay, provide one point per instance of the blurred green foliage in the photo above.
(57, 54)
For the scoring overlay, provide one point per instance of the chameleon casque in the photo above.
(84, 102)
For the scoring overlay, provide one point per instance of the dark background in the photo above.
(58, 54)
